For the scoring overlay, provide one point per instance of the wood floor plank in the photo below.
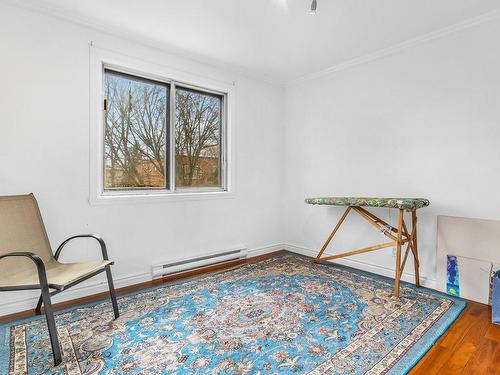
(439, 355)
(462, 327)
(494, 363)
(493, 332)
(468, 345)
(458, 360)
(480, 361)
(425, 364)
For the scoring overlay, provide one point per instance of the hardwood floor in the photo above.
(470, 346)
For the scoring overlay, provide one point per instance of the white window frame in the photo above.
(101, 59)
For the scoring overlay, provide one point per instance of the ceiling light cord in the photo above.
(314, 6)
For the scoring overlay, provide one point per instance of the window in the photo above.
(198, 120)
(161, 136)
(136, 121)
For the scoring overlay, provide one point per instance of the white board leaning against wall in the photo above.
(476, 244)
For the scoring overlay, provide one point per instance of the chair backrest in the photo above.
(21, 229)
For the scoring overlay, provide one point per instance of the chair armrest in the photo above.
(40, 267)
(94, 236)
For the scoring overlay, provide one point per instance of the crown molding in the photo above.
(116, 32)
(37, 6)
(410, 43)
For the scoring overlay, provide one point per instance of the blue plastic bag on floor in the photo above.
(495, 299)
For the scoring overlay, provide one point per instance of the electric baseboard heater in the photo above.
(177, 266)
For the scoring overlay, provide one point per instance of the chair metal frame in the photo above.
(46, 294)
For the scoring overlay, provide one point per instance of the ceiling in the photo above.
(276, 39)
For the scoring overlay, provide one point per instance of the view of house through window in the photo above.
(197, 138)
(137, 135)
(136, 119)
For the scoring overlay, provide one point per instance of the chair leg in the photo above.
(49, 314)
(38, 308)
(112, 292)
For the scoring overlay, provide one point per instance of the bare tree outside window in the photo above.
(135, 132)
(197, 138)
(142, 149)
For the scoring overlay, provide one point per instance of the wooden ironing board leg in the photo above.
(325, 245)
(400, 236)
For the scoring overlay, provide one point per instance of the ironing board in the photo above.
(399, 235)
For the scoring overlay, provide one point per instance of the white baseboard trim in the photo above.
(364, 266)
(25, 303)
(265, 250)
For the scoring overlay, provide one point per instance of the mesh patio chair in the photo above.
(27, 261)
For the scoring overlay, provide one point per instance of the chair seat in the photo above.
(59, 274)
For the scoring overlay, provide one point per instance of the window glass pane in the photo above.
(197, 138)
(135, 132)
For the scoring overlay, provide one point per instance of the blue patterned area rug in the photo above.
(280, 315)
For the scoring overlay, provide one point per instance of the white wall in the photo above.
(44, 148)
(422, 122)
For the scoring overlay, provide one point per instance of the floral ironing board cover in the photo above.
(401, 203)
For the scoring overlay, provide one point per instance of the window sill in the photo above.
(110, 199)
